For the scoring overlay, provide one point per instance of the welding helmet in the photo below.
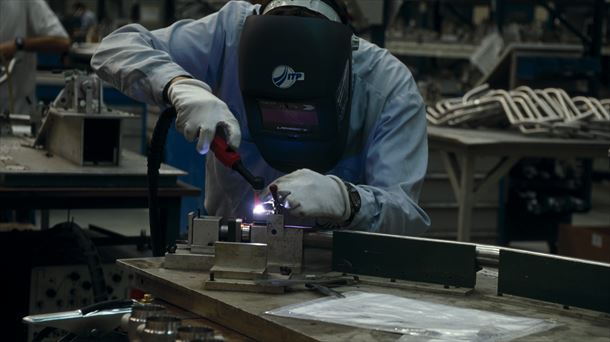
(295, 78)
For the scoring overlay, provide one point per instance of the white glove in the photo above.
(199, 113)
(311, 194)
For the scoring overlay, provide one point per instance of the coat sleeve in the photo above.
(395, 165)
(42, 21)
(140, 63)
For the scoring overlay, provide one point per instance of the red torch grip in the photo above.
(227, 156)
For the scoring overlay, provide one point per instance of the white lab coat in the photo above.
(387, 151)
(25, 18)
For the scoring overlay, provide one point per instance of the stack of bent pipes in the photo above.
(548, 112)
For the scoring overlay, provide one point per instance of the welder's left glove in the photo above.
(310, 194)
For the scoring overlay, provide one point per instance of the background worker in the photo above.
(80, 22)
(27, 27)
(196, 66)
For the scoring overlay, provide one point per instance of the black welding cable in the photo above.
(155, 157)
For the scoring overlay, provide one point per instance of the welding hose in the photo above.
(155, 157)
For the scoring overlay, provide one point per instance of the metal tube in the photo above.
(487, 255)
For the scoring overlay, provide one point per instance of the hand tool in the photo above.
(325, 290)
(231, 159)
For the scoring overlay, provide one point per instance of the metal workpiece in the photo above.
(546, 112)
(205, 232)
(475, 93)
(233, 230)
(487, 255)
(159, 329)
(189, 219)
(285, 246)
(191, 334)
(139, 314)
(278, 204)
(197, 253)
(82, 94)
(233, 260)
(235, 250)
(100, 318)
(79, 127)
(238, 266)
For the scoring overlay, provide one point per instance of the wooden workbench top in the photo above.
(245, 312)
(21, 165)
(506, 142)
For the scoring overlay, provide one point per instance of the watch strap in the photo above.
(354, 202)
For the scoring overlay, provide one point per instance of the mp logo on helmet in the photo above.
(284, 76)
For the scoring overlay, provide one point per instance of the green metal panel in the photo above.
(554, 279)
(401, 257)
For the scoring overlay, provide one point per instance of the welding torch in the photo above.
(225, 154)
(231, 159)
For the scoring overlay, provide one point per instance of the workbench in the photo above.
(245, 312)
(460, 148)
(33, 179)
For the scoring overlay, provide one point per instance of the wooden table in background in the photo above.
(460, 148)
(33, 179)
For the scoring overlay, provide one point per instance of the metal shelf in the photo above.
(464, 51)
(437, 49)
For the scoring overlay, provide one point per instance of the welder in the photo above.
(335, 122)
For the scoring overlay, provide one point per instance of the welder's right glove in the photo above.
(200, 113)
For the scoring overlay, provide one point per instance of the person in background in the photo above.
(85, 19)
(26, 27)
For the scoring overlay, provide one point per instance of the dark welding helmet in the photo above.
(295, 78)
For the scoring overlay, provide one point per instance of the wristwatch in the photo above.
(354, 202)
(19, 43)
